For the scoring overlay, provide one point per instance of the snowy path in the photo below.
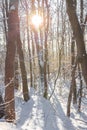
(39, 114)
(36, 119)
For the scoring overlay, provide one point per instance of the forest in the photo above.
(43, 65)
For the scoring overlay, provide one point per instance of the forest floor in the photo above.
(41, 114)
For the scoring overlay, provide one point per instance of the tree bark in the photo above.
(71, 89)
(16, 73)
(13, 39)
(80, 89)
(78, 33)
(73, 58)
(29, 49)
(23, 70)
(20, 51)
(9, 68)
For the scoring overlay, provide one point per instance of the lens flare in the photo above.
(36, 21)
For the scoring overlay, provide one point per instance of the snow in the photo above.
(12, 7)
(41, 114)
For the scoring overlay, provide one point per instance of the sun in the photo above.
(36, 21)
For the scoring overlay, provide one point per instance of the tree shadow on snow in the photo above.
(50, 121)
(61, 117)
(25, 113)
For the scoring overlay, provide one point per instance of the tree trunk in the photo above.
(73, 58)
(2, 107)
(9, 68)
(13, 39)
(80, 89)
(16, 73)
(46, 52)
(71, 90)
(78, 33)
(23, 70)
(20, 52)
(29, 49)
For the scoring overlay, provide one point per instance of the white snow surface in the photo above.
(41, 114)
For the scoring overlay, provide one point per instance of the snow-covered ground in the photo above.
(41, 114)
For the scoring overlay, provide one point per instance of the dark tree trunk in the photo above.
(28, 39)
(78, 33)
(73, 58)
(81, 11)
(34, 64)
(46, 53)
(2, 107)
(13, 39)
(16, 73)
(9, 68)
(80, 89)
(20, 52)
(45, 69)
(23, 70)
(71, 89)
(69, 101)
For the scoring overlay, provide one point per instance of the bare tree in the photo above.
(9, 67)
(13, 41)
(81, 51)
